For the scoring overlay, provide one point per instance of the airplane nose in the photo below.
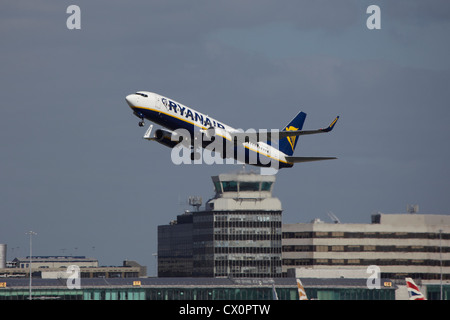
(131, 100)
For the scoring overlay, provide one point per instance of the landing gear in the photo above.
(141, 123)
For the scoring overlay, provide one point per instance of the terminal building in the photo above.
(55, 267)
(236, 248)
(401, 245)
(193, 289)
(238, 234)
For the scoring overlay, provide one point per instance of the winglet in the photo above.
(331, 126)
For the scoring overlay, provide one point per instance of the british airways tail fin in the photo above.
(288, 144)
(413, 290)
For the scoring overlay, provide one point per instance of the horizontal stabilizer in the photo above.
(308, 159)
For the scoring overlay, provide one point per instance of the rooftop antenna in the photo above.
(195, 201)
(412, 208)
(333, 217)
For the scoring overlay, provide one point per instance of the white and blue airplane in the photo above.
(261, 148)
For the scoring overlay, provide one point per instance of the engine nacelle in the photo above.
(168, 138)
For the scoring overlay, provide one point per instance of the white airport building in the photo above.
(400, 245)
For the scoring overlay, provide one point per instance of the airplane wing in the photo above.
(269, 135)
(308, 159)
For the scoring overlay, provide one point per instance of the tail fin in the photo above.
(288, 144)
(274, 292)
(301, 291)
(413, 290)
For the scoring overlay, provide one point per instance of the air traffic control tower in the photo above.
(238, 234)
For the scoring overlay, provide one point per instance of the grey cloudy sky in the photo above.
(73, 165)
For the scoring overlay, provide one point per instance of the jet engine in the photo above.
(168, 138)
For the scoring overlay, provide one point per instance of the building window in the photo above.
(249, 186)
(218, 187)
(265, 186)
(354, 261)
(337, 261)
(321, 234)
(322, 261)
(337, 234)
(229, 186)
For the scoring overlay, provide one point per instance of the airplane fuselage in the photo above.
(174, 115)
(262, 148)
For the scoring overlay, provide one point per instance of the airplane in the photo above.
(301, 291)
(274, 293)
(253, 147)
(413, 290)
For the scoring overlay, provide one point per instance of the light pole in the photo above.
(31, 234)
(440, 258)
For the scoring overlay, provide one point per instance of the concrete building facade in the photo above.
(55, 267)
(413, 245)
(175, 255)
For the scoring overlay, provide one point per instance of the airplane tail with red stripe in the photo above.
(413, 290)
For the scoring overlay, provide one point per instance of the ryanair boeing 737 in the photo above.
(262, 148)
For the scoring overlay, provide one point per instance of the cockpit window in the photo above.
(142, 94)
